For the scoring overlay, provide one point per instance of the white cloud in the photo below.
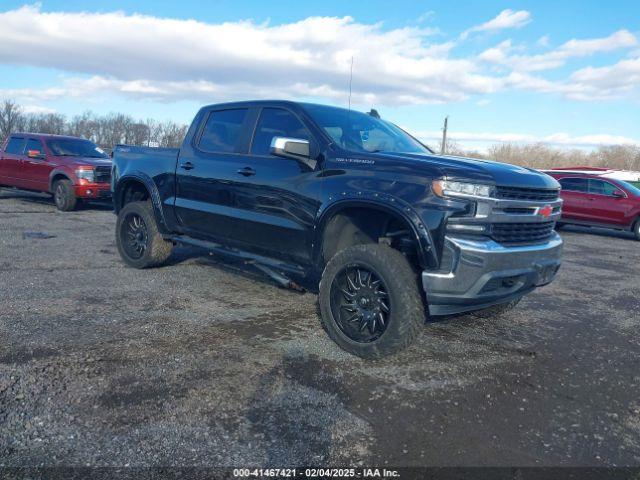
(556, 58)
(505, 19)
(307, 57)
(543, 41)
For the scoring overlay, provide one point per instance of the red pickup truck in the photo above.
(590, 198)
(70, 168)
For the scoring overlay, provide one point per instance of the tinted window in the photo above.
(574, 184)
(361, 132)
(602, 188)
(75, 148)
(33, 144)
(276, 122)
(223, 131)
(15, 146)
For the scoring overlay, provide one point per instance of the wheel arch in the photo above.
(404, 214)
(56, 175)
(138, 187)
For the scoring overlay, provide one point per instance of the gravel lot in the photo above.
(202, 363)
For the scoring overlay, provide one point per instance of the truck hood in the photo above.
(471, 169)
(89, 161)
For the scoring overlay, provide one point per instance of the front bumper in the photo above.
(93, 191)
(482, 273)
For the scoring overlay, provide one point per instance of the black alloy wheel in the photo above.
(360, 303)
(134, 236)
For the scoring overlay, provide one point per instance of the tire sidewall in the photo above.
(636, 229)
(67, 201)
(144, 211)
(397, 290)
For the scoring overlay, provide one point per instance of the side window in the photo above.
(33, 144)
(276, 122)
(601, 187)
(574, 184)
(15, 146)
(223, 131)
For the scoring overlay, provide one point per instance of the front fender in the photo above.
(379, 201)
(58, 172)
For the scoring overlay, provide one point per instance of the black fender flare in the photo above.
(380, 201)
(55, 173)
(154, 195)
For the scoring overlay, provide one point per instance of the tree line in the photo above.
(104, 130)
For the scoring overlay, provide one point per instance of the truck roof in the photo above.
(46, 135)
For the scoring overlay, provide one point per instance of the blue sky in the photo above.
(563, 72)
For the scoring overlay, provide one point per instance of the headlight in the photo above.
(86, 174)
(443, 188)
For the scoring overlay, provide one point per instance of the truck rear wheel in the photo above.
(63, 195)
(370, 302)
(139, 242)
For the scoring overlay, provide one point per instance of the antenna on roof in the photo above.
(350, 81)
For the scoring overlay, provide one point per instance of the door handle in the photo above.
(187, 166)
(246, 171)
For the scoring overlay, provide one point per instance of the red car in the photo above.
(70, 168)
(594, 200)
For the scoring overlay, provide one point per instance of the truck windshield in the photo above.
(75, 148)
(360, 132)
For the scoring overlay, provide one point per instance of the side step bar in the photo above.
(266, 265)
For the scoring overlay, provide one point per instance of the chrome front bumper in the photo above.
(480, 273)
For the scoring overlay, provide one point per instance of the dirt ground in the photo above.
(202, 363)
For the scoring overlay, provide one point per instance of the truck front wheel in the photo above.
(63, 195)
(139, 242)
(636, 229)
(370, 302)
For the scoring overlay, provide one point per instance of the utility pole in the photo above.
(443, 149)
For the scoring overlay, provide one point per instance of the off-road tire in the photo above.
(407, 310)
(63, 195)
(496, 310)
(157, 250)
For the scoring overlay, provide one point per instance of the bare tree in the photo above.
(11, 118)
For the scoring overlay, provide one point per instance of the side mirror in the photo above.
(618, 194)
(295, 148)
(35, 154)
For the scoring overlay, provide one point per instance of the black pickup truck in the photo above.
(347, 205)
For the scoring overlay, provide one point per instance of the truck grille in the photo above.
(103, 175)
(521, 233)
(535, 194)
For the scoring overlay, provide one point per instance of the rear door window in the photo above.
(223, 131)
(574, 184)
(15, 146)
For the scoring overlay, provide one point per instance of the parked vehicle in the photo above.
(347, 205)
(70, 168)
(595, 198)
(628, 176)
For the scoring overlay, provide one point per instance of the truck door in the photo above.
(276, 199)
(10, 161)
(35, 166)
(206, 172)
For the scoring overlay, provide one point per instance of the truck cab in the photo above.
(347, 205)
